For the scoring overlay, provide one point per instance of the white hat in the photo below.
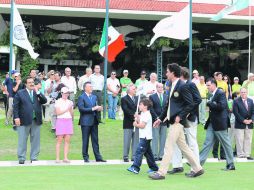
(236, 78)
(195, 71)
(64, 90)
(250, 75)
(125, 71)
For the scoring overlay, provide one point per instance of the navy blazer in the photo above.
(218, 112)
(87, 116)
(23, 107)
(157, 109)
(129, 108)
(181, 103)
(241, 113)
(196, 100)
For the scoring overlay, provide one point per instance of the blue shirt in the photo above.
(9, 84)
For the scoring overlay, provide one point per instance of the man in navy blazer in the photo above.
(243, 110)
(88, 108)
(217, 124)
(27, 114)
(190, 126)
(158, 99)
(130, 134)
(176, 110)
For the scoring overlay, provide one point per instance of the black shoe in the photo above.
(86, 160)
(34, 160)
(176, 170)
(132, 160)
(126, 160)
(156, 159)
(21, 161)
(222, 158)
(101, 160)
(156, 176)
(229, 167)
(160, 159)
(250, 158)
(195, 174)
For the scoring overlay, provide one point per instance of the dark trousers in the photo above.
(99, 96)
(144, 149)
(86, 132)
(216, 147)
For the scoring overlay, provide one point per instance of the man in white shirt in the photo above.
(85, 78)
(150, 87)
(113, 88)
(70, 82)
(97, 81)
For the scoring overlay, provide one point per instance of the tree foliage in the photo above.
(27, 64)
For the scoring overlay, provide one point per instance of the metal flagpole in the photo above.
(11, 38)
(106, 59)
(190, 42)
(249, 58)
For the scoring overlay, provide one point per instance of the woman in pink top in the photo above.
(64, 123)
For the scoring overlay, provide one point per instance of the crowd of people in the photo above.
(149, 110)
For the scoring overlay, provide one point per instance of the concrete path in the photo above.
(92, 162)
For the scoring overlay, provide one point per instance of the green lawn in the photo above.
(108, 177)
(110, 140)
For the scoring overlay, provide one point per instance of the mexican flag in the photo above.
(115, 42)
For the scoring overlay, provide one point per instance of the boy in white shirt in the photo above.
(144, 123)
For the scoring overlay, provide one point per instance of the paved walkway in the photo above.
(92, 162)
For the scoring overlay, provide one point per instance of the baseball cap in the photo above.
(195, 71)
(143, 72)
(125, 71)
(13, 72)
(236, 78)
(64, 90)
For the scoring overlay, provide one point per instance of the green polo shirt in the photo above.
(139, 82)
(125, 80)
(250, 87)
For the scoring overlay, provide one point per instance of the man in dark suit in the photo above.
(131, 135)
(191, 125)
(27, 114)
(88, 108)
(158, 99)
(179, 105)
(217, 124)
(243, 110)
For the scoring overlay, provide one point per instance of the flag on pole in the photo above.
(19, 33)
(115, 42)
(176, 26)
(236, 6)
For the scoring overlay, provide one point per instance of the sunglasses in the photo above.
(113, 73)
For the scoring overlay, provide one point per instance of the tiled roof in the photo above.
(136, 5)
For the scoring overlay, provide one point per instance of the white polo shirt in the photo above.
(147, 131)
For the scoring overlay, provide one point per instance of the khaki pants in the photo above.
(10, 110)
(176, 136)
(243, 139)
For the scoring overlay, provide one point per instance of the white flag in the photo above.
(236, 6)
(176, 26)
(19, 33)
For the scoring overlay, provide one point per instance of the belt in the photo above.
(97, 90)
(203, 98)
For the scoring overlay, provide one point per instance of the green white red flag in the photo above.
(115, 42)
